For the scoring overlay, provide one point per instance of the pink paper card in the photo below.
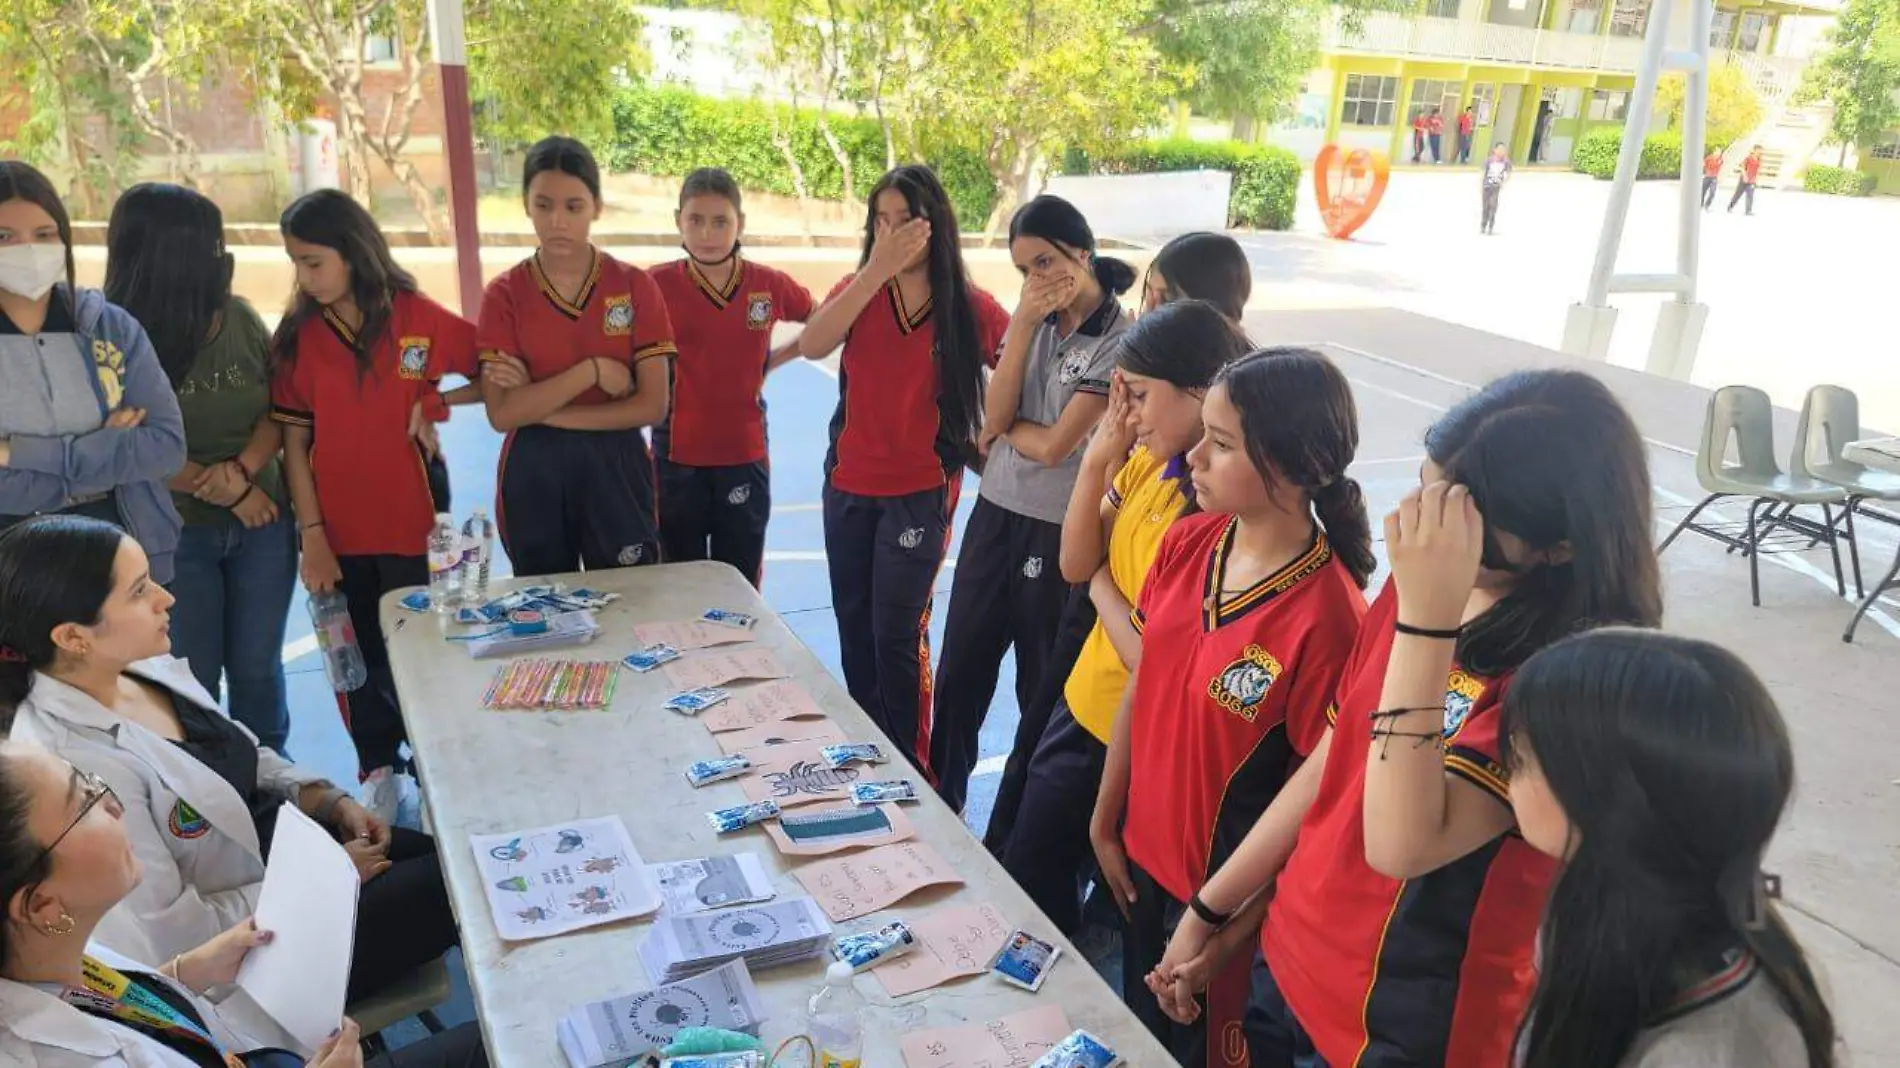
(718, 668)
(1011, 1042)
(796, 774)
(687, 637)
(952, 943)
(863, 883)
(760, 705)
(757, 741)
(817, 830)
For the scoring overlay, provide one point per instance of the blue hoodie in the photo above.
(44, 472)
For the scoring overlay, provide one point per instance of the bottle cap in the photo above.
(839, 974)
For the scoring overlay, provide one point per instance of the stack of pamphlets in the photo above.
(621, 1030)
(764, 936)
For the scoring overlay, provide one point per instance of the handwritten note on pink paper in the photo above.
(854, 886)
(757, 740)
(719, 668)
(952, 943)
(797, 774)
(760, 705)
(688, 636)
(1011, 1042)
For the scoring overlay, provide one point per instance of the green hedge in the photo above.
(666, 130)
(1596, 152)
(1837, 180)
(1266, 177)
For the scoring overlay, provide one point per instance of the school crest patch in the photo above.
(1243, 684)
(412, 357)
(739, 495)
(185, 822)
(758, 311)
(617, 321)
(1461, 695)
(1075, 363)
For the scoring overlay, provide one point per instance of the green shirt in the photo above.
(226, 393)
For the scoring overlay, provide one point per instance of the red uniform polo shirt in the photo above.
(1712, 165)
(724, 337)
(618, 314)
(1751, 169)
(1231, 695)
(1432, 970)
(888, 436)
(372, 484)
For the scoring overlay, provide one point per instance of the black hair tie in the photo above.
(1450, 635)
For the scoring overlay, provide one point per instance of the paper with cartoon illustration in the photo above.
(552, 880)
(1011, 1042)
(865, 882)
(719, 668)
(755, 740)
(952, 943)
(687, 637)
(797, 774)
(707, 883)
(762, 705)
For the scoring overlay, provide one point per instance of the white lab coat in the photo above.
(203, 867)
(38, 1030)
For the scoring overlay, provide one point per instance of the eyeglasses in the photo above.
(93, 790)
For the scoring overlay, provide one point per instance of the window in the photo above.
(1609, 106)
(1753, 35)
(1429, 93)
(1889, 148)
(1442, 9)
(1579, 16)
(1629, 18)
(378, 49)
(1370, 100)
(1483, 103)
(1722, 29)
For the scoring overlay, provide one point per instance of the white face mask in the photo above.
(32, 269)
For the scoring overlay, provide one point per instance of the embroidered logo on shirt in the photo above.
(1243, 684)
(1461, 694)
(1075, 363)
(1032, 567)
(186, 823)
(618, 320)
(631, 555)
(911, 538)
(412, 357)
(109, 364)
(739, 495)
(758, 311)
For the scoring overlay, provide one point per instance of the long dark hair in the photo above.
(1301, 425)
(1551, 457)
(20, 180)
(166, 265)
(54, 570)
(1059, 222)
(1206, 266)
(330, 218)
(1673, 766)
(960, 355)
(1184, 344)
(24, 862)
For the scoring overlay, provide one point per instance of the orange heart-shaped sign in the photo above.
(1348, 186)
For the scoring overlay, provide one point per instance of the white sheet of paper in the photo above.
(309, 905)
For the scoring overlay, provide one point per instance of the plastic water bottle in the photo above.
(336, 640)
(445, 567)
(478, 546)
(836, 1020)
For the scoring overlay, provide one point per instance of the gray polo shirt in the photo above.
(1059, 368)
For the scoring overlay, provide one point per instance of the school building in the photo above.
(1537, 74)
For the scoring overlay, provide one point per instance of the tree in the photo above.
(74, 118)
(1243, 60)
(550, 66)
(1734, 111)
(1858, 73)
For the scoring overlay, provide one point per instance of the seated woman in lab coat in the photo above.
(66, 860)
(85, 672)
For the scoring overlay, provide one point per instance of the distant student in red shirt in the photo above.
(1435, 133)
(1711, 177)
(1402, 922)
(1418, 137)
(576, 346)
(1249, 611)
(1751, 172)
(917, 336)
(359, 361)
(715, 484)
(1467, 123)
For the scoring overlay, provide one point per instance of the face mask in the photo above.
(31, 270)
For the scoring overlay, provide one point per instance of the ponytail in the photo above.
(1053, 219)
(1341, 508)
(1114, 276)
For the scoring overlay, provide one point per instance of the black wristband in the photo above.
(1451, 635)
(1208, 915)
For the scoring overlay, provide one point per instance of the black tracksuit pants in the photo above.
(715, 513)
(569, 500)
